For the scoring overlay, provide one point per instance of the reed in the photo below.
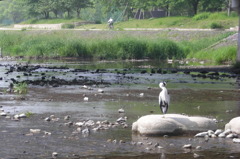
(59, 44)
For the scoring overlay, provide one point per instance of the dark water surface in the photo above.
(216, 98)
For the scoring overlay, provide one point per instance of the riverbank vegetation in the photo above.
(99, 11)
(206, 20)
(70, 44)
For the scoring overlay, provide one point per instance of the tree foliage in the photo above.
(18, 10)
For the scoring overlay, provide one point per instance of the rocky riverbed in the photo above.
(70, 112)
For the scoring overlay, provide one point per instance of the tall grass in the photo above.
(58, 44)
(62, 44)
(219, 55)
(192, 47)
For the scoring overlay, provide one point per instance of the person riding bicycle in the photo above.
(110, 23)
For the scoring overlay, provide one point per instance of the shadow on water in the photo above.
(191, 95)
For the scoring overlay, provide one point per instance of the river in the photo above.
(60, 95)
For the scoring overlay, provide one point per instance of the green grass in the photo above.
(21, 88)
(51, 21)
(69, 44)
(218, 56)
(60, 44)
(193, 46)
(202, 20)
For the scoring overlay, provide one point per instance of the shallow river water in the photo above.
(132, 86)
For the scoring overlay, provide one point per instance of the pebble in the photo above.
(69, 124)
(210, 132)
(121, 120)
(90, 123)
(47, 119)
(236, 140)
(218, 131)
(35, 131)
(54, 154)
(188, 146)
(195, 155)
(139, 143)
(80, 124)
(20, 116)
(202, 134)
(121, 110)
(156, 145)
(198, 148)
(222, 135)
(47, 133)
(85, 99)
(67, 117)
(100, 91)
(3, 114)
(141, 94)
(228, 131)
(85, 131)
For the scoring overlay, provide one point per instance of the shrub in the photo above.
(201, 16)
(218, 56)
(20, 88)
(163, 49)
(215, 25)
(68, 26)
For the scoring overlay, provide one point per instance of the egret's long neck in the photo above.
(164, 89)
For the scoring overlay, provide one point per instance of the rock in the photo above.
(85, 99)
(232, 135)
(85, 131)
(198, 148)
(227, 131)
(195, 155)
(80, 124)
(213, 136)
(18, 116)
(47, 133)
(67, 117)
(235, 140)
(188, 146)
(90, 123)
(35, 131)
(121, 110)
(100, 91)
(121, 120)
(141, 94)
(234, 125)
(218, 131)
(68, 123)
(3, 114)
(210, 132)
(47, 119)
(54, 155)
(172, 124)
(222, 135)
(202, 134)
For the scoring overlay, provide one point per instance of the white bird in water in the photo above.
(164, 98)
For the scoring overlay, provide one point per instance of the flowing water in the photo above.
(122, 83)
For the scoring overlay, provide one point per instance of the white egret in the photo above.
(164, 98)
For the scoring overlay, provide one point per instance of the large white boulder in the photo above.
(234, 125)
(172, 124)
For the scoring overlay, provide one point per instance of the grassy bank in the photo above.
(218, 56)
(57, 44)
(110, 46)
(218, 20)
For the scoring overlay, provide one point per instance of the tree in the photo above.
(16, 11)
(79, 4)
